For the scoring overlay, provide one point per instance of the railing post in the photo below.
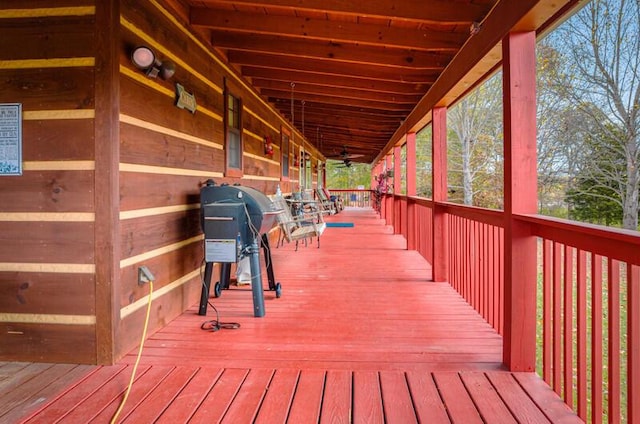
(520, 197)
(440, 241)
(411, 190)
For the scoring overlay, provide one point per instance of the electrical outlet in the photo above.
(145, 275)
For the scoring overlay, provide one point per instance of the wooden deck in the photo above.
(360, 334)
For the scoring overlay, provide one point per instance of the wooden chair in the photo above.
(327, 205)
(296, 228)
(337, 200)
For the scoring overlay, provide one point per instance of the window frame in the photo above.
(285, 151)
(230, 170)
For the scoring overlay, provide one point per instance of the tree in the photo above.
(591, 199)
(600, 47)
(424, 177)
(475, 145)
(341, 177)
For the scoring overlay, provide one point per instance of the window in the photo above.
(285, 155)
(234, 133)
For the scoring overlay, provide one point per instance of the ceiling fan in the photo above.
(345, 155)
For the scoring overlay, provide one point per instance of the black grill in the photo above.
(235, 221)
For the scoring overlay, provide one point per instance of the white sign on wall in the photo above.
(10, 139)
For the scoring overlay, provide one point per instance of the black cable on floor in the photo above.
(215, 324)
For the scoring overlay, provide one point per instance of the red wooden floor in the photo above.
(360, 334)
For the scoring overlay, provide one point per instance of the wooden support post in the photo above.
(520, 197)
(397, 190)
(411, 164)
(411, 190)
(440, 241)
(397, 170)
(107, 194)
(388, 211)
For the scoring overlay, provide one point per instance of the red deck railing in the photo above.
(588, 296)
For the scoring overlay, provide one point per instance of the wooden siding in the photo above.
(47, 263)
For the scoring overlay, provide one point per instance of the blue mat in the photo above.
(339, 224)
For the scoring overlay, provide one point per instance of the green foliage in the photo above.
(341, 177)
(591, 202)
(594, 196)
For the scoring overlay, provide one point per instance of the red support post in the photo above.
(397, 170)
(389, 211)
(411, 191)
(397, 189)
(440, 240)
(411, 164)
(520, 197)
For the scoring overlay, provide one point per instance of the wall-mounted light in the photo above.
(144, 58)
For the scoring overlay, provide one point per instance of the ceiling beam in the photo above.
(339, 81)
(380, 105)
(337, 52)
(301, 88)
(284, 104)
(324, 117)
(434, 11)
(345, 69)
(375, 35)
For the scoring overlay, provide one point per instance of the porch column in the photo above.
(411, 190)
(439, 242)
(107, 194)
(397, 189)
(397, 170)
(388, 212)
(520, 197)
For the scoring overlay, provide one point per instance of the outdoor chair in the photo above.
(326, 204)
(337, 200)
(300, 227)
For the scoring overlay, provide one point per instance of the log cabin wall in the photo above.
(112, 172)
(47, 215)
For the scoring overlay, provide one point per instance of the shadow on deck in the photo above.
(360, 334)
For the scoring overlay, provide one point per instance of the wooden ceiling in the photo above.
(354, 69)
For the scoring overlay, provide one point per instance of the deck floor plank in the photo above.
(360, 334)
(217, 403)
(24, 399)
(8, 370)
(398, 406)
(516, 399)
(336, 402)
(277, 401)
(426, 398)
(144, 385)
(552, 406)
(486, 398)
(21, 376)
(367, 398)
(249, 398)
(153, 406)
(456, 399)
(307, 401)
(104, 396)
(73, 397)
(187, 402)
